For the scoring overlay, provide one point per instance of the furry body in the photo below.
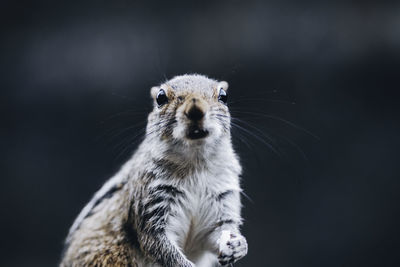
(172, 201)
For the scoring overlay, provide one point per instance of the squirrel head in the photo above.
(190, 109)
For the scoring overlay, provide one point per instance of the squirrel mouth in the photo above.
(195, 132)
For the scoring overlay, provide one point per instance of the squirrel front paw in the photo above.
(232, 247)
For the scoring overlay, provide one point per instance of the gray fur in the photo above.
(176, 202)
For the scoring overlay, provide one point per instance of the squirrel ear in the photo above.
(154, 91)
(223, 85)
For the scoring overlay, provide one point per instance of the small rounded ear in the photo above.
(154, 91)
(223, 85)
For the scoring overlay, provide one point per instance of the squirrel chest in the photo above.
(197, 213)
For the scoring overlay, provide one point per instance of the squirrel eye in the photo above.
(223, 97)
(161, 97)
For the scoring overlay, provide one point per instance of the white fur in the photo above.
(193, 229)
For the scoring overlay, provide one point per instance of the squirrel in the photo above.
(176, 202)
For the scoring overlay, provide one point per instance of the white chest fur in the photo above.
(196, 216)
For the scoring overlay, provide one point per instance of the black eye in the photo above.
(161, 97)
(223, 97)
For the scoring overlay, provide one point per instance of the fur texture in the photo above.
(176, 202)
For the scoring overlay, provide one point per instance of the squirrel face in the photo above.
(190, 109)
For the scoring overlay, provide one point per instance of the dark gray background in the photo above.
(71, 71)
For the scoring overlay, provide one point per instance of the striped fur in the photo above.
(171, 202)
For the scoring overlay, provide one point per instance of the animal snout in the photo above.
(195, 114)
(195, 109)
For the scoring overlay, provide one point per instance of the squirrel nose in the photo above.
(195, 113)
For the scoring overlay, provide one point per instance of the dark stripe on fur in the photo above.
(131, 235)
(154, 219)
(169, 189)
(223, 195)
(220, 223)
(107, 195)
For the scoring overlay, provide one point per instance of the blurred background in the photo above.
(314, 88)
